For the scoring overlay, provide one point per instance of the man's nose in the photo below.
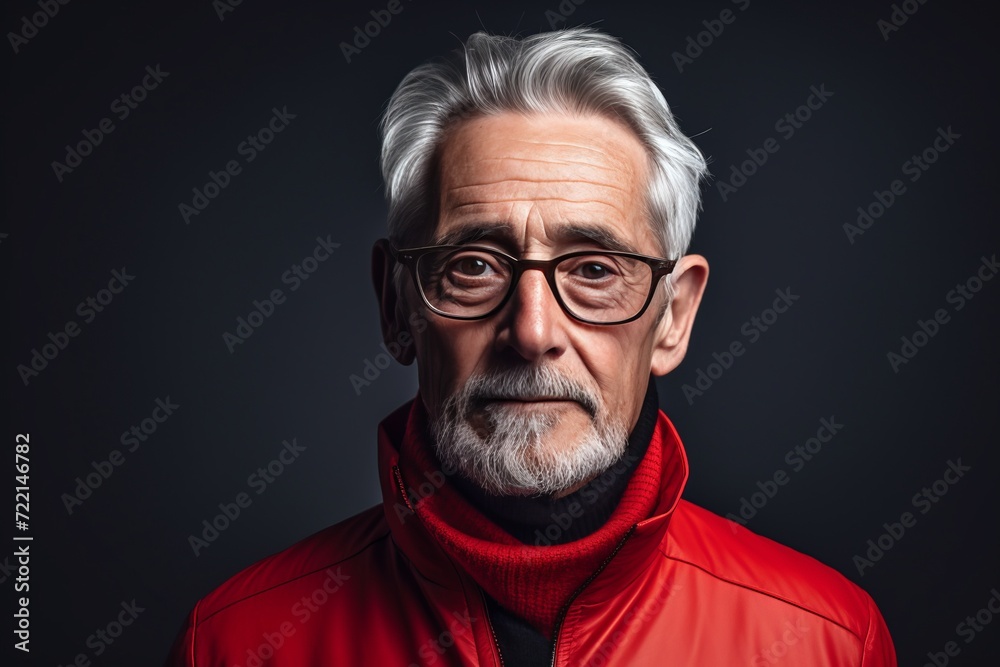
(533, 323)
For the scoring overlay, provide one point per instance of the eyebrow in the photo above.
(474, 232)
(504, 231)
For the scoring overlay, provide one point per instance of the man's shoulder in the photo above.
(312, 557)
(732, 555)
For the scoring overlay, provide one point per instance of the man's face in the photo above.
(537, 187)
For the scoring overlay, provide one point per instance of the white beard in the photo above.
(516, 455)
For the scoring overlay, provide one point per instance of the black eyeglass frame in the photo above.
(409, 257)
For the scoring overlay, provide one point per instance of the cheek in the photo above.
(612, 359)
(620, 365)
(447, 355)
(433, 368)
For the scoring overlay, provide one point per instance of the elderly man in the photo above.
(541, 199)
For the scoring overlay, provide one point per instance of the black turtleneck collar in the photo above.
(542, 521)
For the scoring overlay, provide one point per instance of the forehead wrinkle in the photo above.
(537, 167)
(549, 142)
(593, 165)
(613, 186)
(622, 163)
(609, 160)
(615, 195)
(562, 199)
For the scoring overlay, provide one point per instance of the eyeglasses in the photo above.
(467, 282)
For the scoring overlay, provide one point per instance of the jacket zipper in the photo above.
(496, 641)
(489, 624)
(565, 608)
(402, 489)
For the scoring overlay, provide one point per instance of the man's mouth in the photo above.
(526, 403)
(528, 399)
(525, 399)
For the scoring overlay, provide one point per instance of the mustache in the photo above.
(527, 383)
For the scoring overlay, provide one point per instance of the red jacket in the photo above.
(683, 587)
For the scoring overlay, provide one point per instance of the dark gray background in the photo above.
(162, 336)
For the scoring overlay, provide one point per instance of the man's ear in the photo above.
(391, 306)
(674, 329)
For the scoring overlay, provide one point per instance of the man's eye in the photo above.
(470, 266)
(593, 271)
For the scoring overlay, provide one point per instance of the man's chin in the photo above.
(555, 433)
(548, 442)
(531, 450)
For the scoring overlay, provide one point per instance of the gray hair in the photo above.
(576, 70)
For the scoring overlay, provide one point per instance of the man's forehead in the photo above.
(584, 176)
(535, 144)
